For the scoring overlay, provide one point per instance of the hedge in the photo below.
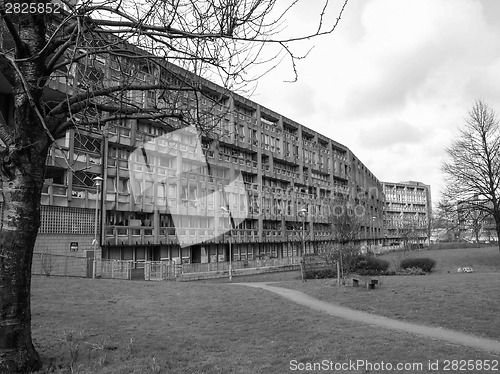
(320, 273)
(426, 264)
(364, 265)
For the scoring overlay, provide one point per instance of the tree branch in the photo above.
(65, 106)
(7, 69)
(20, 45)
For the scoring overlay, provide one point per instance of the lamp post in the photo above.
(303, 215)
(225, 210)
(373, 235)
(97, 182)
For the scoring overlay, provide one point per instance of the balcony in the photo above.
(192, 235)
(134, 235)
(272, 235)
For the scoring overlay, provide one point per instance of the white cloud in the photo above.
(395, 81)
(391, 134)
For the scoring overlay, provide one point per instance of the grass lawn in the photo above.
(111, 326)
(466, 302)
(482, 260)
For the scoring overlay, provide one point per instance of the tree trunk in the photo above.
(497, 226)
(17, 353)
(22, 169)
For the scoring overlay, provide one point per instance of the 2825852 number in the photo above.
(467, 365)
(32, 8)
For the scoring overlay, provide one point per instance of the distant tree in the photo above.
(473, 167)
(346, 223)
(473, 220)
(66, 43)
(462, 219)
(446, 219)
(410, 232)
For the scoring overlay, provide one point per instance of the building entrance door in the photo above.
(195, 254)
(90, 263)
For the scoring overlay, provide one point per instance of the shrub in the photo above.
(426, 264)
(411, 271)
(320, 273)
(364, 265)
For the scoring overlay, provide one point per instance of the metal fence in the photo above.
(149, 270)
(162, 270)
(62, 265)
(114, 269)
(224, 266)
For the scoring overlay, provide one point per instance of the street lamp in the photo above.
(303, 215)
(97, 182)
(373, 235)
(225, 210)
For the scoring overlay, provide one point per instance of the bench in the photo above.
(370, 283)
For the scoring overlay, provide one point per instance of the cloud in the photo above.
(391, 134)
(400, 47)
(305, 102)
(395, 81)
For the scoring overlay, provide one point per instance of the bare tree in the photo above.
(346, 224)
(471, 219)
(462, 219)
(96, 53)
(410, 232)
(446, 219)
(473, 168)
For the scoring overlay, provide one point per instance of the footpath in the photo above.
(438, 333)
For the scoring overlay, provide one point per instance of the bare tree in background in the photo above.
(346, 224)
(446, 219)
(474, 220)
(410, 231)
(473, 167)
(464, 221)
(96, 53)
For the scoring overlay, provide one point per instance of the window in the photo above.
(110, 185)
(84, 179)
(160, 191)
(123, 185)
(87, 143)
(55, 175)
(138, 187)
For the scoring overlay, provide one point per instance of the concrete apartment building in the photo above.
(170, 192)
(407, 213)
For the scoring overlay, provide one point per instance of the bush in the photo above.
(320, 273)
(411, 271)
(426, 264)
(364, 265)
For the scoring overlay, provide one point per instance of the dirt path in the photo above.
(439, 333)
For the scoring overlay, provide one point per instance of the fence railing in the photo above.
(161, 270)
(60, 265)
(114, 269)
(224, 266)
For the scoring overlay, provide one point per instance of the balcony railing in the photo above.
(129, 235)
(224, 266)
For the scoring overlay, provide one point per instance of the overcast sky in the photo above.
(395, 81)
